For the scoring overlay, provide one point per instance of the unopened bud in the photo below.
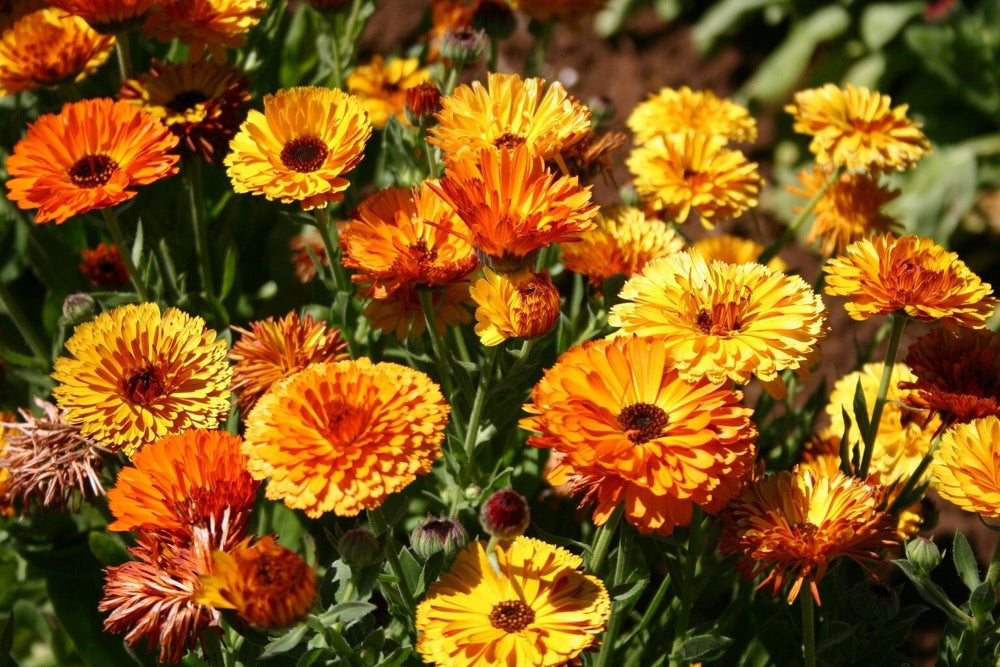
(438, 534)
(463, 45)
(422, 102)
(358, 547)
(79, 307)
(505, 514)
(923, 553)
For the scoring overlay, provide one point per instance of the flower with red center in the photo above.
(270, 351)
(966, 468)
(514, 305)
(90, 155)
(675, 111)
(402, 314)
(381, 87)
(104, 267)
(108, 17)
(912, 275)
(300, 147)
(632, 431)
(205, 25)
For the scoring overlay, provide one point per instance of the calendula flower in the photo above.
(265, 583)
(850, 209)
(46, 48)
(514, 305)
(205, 25)
(89, 156)
(724, 320)
(270, 351)
(108, 17)
(509, 112)
(136, 375)
(340, 437)
(104, 267)
(300, 147)
(912, 275)
(631, 430)
(675, 111)
(447, 16)
(965, 470)
(381, 87)
(590, 156)
(6, 503)
(534, 607)
(904, 434)
(513, 205)
(856, 128)
(956, 374)
(734, 250)
(402, 314)
(794, 525)
(403, 236)
(622, 242)
(184, 482)
(694, 172)
(568, 11)
(202, 102)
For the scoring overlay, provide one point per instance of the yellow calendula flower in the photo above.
(514, 305)
(734, 250)
(381, 86)
(966, 471)
(205, 25)
(675, 111)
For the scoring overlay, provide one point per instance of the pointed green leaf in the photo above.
(703, 646)
(965, 561)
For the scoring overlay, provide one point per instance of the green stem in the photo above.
(602, 541)
(380, 526)
(647, 617)
(494, 55)
(687, 583)
(485, 378)
(459, 340)
(618, 612)
(542, 32)
(343, 34)
(808, 629)
(123, 55)
(437, 344)
(337, 273)
(23, 326)
(771, 251)
(340, 645)
(196, 202)
(898, 323)
(115, 228)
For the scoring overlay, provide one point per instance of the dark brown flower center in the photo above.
(422, 253)
(808, 530)
(185, 100)
(511, 616)
(304, 154)
(143, 386)
(509, 141)
(643, 422)
(92, 171)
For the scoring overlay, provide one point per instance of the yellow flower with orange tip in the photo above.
(108, 16)
(857, 129)
(300, 147)
(848, 211)
(269, 351)
(509, 112)
(630, 430)
(911, 275)
(724, 321)
(535, 606)
(966, 471)
(401, 313)
(340, 437)
(734, 250)
(265, 583)
(90, 155)
(513, 205)
(46, 48)
(136, 374)
(694, 172)
(205, 25)
(381, 87)
(514, 305)
(678, 110)
(623, 240)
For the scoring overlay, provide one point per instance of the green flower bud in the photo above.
(358, 547)
(79, 308)
(438, 534)
(923, 553)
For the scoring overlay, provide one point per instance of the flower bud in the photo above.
(438, 534)
(79, 307)
(422, 102)
(358, 547)
(505, 514)
(463, 45)
(923, 553)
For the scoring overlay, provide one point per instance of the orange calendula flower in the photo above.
(966, 471)
(89, 156)
(340, 437)
(675, 111)
(104, 267)
(513, 205)
(850, 209)
(192, 480)
(300, 147)
(136, 375)
(622, 242)
(568, 11)
(203, 103)
(793, 525)
(268, 585)
(401, 312)
(301, 245)
(382, 87)
(47, 48)
(724, 321)
(695, 172)
(205, 25)
(856, 128)
(270, 351)
(509, 112)
(6, 504)
(108, 17)
(535, 606)
(406, 235)
(509, 305)
(909, 274)
(631, 430)
(734, 250)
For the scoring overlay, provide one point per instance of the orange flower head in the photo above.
(403, 236)
(675, 111)
(300, 147)
(447, 16)
(104, 267)
(966, 467)
(7, 420)
(301, 245)
(89, 156)
(108, 17)
(340, 437)
(270, 351)
(513, 205)
(734, 250)
(136, 374)
(793, 525)
(570, 12)
(381, 87)
(629, 429)
(912, 275)
(184, 482)
(514, 305)
(856, 128)
(694, 172)
(46, 48)
(401, 313)
(205, 25)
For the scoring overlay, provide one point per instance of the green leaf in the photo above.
(983, 598)
(721, 18)
(937, 193)
(611, 19)
(882, 22)
(965, 561)
(703, 646)
(107, 548)
(285, 642)
(860, 406)
(7, 642)
(229, 267)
